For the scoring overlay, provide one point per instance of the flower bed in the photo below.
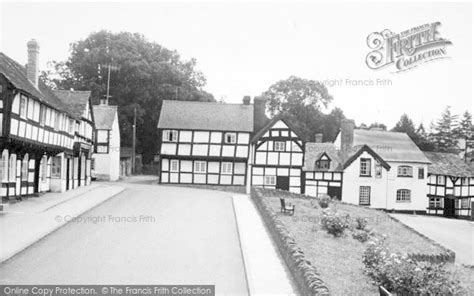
(339, 259)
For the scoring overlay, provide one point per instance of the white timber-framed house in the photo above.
(450, 186)
(278, 156)
(205, 142)
(106, 158)
(38, 130)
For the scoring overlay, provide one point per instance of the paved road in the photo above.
(186, 236)
(454, 234)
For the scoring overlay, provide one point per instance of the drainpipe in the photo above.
(249, 168)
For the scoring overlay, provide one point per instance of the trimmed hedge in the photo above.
(306, 276)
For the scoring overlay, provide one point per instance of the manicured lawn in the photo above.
(339, 260)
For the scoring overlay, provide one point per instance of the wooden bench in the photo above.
(287, 208)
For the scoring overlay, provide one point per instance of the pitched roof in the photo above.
(314, 151)
(206, 116)
(104, 116)
(282, 117)
(76, 101)
(391, 146)
(448, 164)
(16, 74)
(365, 148)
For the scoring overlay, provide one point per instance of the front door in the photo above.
(283, 183)
(334, 192)
(449, 206)
(68, 183)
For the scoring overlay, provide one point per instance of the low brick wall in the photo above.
(306, 276)
(446, 256)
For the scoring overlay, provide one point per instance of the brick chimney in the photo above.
(32, 68)
(318, 138)
(347, 136)
(246, 100)
(259, 117)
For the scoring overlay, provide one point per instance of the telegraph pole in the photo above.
(134, 139)
(115, 68)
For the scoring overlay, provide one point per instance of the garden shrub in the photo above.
(360, 223)
(399, 274)
(361, 235)
(333, 223)
(324, 201)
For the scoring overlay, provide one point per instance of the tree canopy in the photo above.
(301, 100)
(147, 74)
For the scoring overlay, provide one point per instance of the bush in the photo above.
(361, 235)
(401, 275)
(333, 223)
(324, 201)
(360, 223)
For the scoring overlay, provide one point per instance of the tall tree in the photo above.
(301, 101)
(422, 139)
(148, 74)
(464, 131)
(444, 132)
(405, 125)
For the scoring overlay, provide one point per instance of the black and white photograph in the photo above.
(236, 148)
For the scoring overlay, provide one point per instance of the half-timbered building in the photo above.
(35, 125)
(450, 185)
(106, 158)
(75, 167)
(205, 142)
(278, 157)
(323, 171)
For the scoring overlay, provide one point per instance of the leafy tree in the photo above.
(422, 139)
(301, 100)
(465, 132)
(444, 135)
(405, 125)
(148, 73)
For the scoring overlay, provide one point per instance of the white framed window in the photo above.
(4, 166)
(174, 165)
(421, 173)
(102, 136)
(435, 202)
(170, 136)
(226, 168)
(42, 118)
(199, 166)
(230, 138)
(378, 171)
(270, 180)
(56, 167)
(31, 107)
(24, 167)
(464, 181)
(23, 102)
(279, 146)
(102, 148)
(44, 168)
(405, 171)
(465, 203)
(71, 126)
(322, 164)
(403, 195)
(365, 167)
(12, 170)
(364, 195)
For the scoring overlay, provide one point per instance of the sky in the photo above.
(242, 48)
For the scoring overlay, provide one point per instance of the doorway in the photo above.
(449, 210)
(283, 183)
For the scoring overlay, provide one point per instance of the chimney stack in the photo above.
(32, 69)
(259, 117)
(246, 100)
(103, 102)
(318, 138)
(347, 136)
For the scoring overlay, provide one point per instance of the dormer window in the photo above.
(230, 138)
(323, 163)
(170, 136)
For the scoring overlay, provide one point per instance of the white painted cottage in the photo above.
(106, 158)
(382, 169)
